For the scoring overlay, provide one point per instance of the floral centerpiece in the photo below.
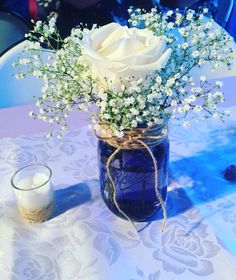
(131, 80)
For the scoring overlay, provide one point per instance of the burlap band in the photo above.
(38, 215)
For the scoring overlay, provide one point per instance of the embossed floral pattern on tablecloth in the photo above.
(86, 241)
(184, 248)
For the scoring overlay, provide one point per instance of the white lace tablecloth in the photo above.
(86, 241)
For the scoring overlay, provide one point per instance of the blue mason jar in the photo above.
(133, 174)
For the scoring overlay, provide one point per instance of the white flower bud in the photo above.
(186, 124)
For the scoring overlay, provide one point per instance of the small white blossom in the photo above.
(134, 123)
(170, 25)
(187, 107)
(169, 13)
(212, 35)
(185, 45)
(19, 76)
(31, 113)
(169, 92)
(227, 112)
(49, 135)
(194, 40)
(189, 16)
(192, 98)
(208, 24)
(216, 115)
(182, 31)
(158, 80)
(178, 18)
(174, 103)
(181, 109)
(201, 17)
(202, 78)
(197, 108)
(218, 94)
(195, 53)
(41, 111)
(24, 61)
(134, 111)
(219, 84)
(170, 82)
(186, 124)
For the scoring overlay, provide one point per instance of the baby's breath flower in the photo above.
(169, 92)
(31, 114)
(189, 16)
(182, 31)
(202, 78)
(158, 80)
(170, 82)
(185, 45)
(208, 24)
(174, 103)
(59, 135)
(216, 115)
(218, 94)
(195, 53)
(186, 124)
(170, 25)
(197, 108)
(20, 76)
(49, 135)
(169, 13)
(51, 120)
(219, 84)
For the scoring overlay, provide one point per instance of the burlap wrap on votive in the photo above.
(37, 215)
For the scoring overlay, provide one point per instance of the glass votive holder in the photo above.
(33, 189)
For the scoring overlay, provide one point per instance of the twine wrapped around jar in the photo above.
(139, 138)
(37, 215)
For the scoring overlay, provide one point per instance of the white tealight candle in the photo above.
(35, 193)
(32, 185)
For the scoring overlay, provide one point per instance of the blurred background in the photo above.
(16, 15)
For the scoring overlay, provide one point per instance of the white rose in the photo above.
(115, 52)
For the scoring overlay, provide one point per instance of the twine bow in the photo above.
(135, 139)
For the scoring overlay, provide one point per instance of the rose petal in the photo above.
(119, 48)
(119, 33)
(141, 71)
(99, 35)
(159, 64)
(146, 55)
